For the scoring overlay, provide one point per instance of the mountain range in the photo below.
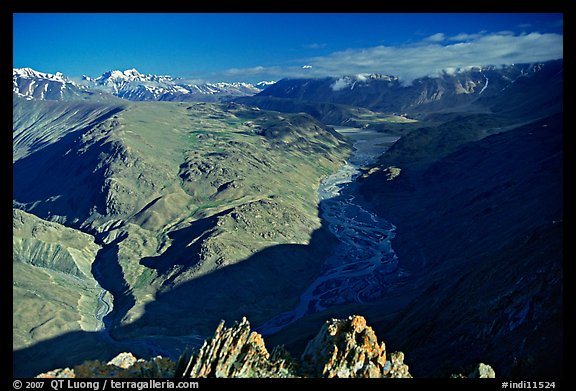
(129, 84)
(534, 89)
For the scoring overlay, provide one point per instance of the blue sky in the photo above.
(253, 47)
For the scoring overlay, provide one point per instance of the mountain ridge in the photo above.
(474, 89)
(128, 84)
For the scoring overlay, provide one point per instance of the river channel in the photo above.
(363, 264)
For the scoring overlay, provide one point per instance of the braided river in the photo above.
(363, 264)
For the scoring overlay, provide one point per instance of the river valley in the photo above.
(363, 265)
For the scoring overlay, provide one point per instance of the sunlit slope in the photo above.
(176, 191)
(39, 123)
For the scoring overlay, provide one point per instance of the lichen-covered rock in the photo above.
(125, 365)
(66, 373)
(236, 352)
(397, 367)
(123, 360)
(349, 348)
(483, 371)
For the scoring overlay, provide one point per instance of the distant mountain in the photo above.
(476, 89)
(129, 84)
(264, 84)
(30, 84)
(133, 85)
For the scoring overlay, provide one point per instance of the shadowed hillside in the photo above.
(481, 232)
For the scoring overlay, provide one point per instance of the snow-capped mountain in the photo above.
(129, 84)
(133, 85)
(264, 84)
(31, 84)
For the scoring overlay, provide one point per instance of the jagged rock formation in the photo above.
(350, 348)
(483, 371)
(342, 348)
(236, 352)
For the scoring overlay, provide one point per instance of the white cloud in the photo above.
(341, 84)
(466, 37)
(253, 71)
(349, 81)
(438, 37)
(505, 32)
(314, 46)
(428, 57)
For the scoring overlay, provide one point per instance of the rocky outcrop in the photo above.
(124, 365)
(483, 371)
(349, 348)
(235, 352)
(344, 348)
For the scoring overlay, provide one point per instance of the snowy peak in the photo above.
(29, 73)
(133, 85)
(129, 75)
(132, 73)
(263, 84)
(124, 83)
(129, 84)
(31, 84)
